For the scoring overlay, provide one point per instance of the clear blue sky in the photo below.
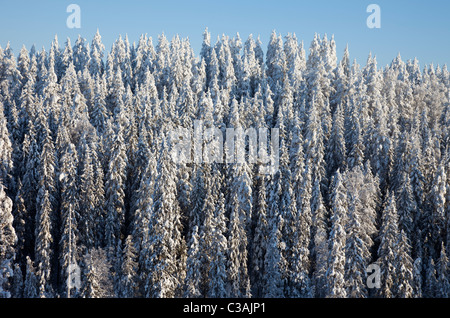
(414, 28)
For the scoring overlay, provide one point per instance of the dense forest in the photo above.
(92, 203)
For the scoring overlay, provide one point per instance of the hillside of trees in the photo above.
(92, 204)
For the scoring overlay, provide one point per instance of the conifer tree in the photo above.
(336, 259)
(165, 246)
(6, 150)
(30, 283)
(8, 240)
(388, 237)
(442, 272)
(217, 275)
(69, 219)
(260, 238)
(403, 267)
(114, 190)
(128, 269)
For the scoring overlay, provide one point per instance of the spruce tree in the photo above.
(8, 240)
(336, 259)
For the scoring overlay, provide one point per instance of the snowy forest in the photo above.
(92, 205)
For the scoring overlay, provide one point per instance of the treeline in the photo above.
(92, 204)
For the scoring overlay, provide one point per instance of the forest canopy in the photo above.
(92, 203)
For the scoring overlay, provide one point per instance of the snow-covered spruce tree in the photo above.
(44, 240)
(207, 229)
(194, 268)
(165, 247)
(90, 288)
(99, 112)
(6, 150)
(314, 145)
(89, 193)
(128, 280)
(114, 189)
(10, 79)
(443, 288)
(251, 68)
(335, 275)
(295, 60)
(140, 221)
(96, 64)
(336, 151)
(240, 207)
(45, 205)
(197, 198)
(97, 282)
(260, 237)
(360, 229)
(354, 138)
(20, 215)
(320, 248)
(28, 193)
(406, 207)
(295, 231)
(30, 289)
(388, 235)
(17, 282)
(275, 60)
(417, 278)
(68, 250)
(341, 82)
(438, 198)
(394, 255)
(274, 262)
(8, 240)
(356, 250)
(404, 268)
(217, 275)
(430, 283)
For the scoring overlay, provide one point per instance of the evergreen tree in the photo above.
(406, 207)
(97, 275)
(388, 257)
(194, 267)
(30, 284)
(336, 151)
(6, 150)
(69, 220)
(44, 241)
(8, 240)
(260, 238)
(438, 197)
(165, 246)
(336, 259)
(356, 251)
(403, 267)
(443, 290)
(217, 275)
(129, 266)
(430, 285)
(237, 245)
(114, 190)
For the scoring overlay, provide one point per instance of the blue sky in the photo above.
(414, 28)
